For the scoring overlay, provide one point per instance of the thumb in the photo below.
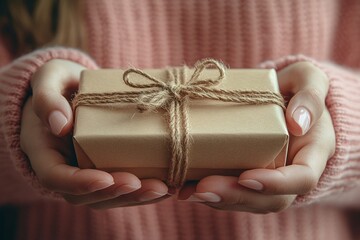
(308, 86)
(52, 85)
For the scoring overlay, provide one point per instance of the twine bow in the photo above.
(173, 96)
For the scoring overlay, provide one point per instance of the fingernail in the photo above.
(252, 184)
(208, 197)
(192, 198)
(125, 189)
(302, 118)
(150, 195)
(98, 185)
(57, 122)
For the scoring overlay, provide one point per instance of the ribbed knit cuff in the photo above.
(343, 104)
(15, 87)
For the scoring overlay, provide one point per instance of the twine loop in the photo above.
(174, 89)
(173, 96)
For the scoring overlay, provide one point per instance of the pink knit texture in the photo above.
(170, 33)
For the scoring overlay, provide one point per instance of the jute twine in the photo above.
(173, 96)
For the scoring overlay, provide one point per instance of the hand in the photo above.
(46, 139)
(312, 143)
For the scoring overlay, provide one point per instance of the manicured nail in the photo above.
(98, 185)
(192, 198)
(208, 197)
(57, 122)
(302, 118)
(125, 189)
(150, 195)
(252, 184)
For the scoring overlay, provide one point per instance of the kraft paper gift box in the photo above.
(226, 138)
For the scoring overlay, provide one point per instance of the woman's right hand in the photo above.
(46, 139)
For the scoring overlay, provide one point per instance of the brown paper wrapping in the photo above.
(226, 138)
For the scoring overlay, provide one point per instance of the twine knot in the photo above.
(151, 101)
(173, 95)
(175, 91)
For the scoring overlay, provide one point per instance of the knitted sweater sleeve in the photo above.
(14, 89)
(340, 181)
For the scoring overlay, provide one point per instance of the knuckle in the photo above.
(304, 66)
(280, 204)
(52, 65)
(306, 69)
(49, 179)
(276, 189)
(316, 97)
(45, 181)
(309, 183)
(46, 178)
(40, 97)
(240, 200)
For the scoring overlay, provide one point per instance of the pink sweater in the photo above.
(161, 33)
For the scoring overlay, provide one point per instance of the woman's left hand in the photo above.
(312, 143)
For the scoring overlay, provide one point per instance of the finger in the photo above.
(309, 87)
(124, 183)
(47, 155)
(151, 190)
(53, 173)
(293, 179)
(309, 161)
(50, 85)
(225, 193)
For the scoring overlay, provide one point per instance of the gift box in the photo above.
(234, 130)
